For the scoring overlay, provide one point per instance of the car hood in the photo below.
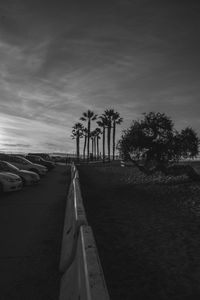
(39, 166)
(27, 172)
(48, 162)
(8, 175)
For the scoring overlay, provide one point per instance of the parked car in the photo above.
(28, 177)
(43, 155)
(39, 160)
(10, 182)
(24, 164)
(55, 158)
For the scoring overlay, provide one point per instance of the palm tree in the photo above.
(103, 124)
(88, 116)
(95, 141)
(94, 144)
(108, 113)
(98, 132)
(116, 120)
(85, 133)
(77, 133)
(92, 136)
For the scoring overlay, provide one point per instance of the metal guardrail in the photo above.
(83, 277)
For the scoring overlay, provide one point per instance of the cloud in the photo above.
(18, 130)
(25, 146)
(59, 59)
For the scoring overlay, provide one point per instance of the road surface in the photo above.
(31, 223)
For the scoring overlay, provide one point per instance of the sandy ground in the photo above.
(31, 223)
(147, 232)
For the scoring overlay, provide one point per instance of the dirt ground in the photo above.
(31, 225)
(147, 232)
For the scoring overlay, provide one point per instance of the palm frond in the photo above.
(119, 121)
(83, 119)
(94, 117)
(100, 124)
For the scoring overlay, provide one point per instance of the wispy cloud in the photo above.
(36, 134)
(57, 61)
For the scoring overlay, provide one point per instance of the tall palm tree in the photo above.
(97, 133)
(92, 136)
(116, 120)
(108, 113)
(85, 133)
(77, 133)
(88, 116)
(94, 144)
(95, 139)
(103, 124)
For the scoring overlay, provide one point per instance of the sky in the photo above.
(60, 58)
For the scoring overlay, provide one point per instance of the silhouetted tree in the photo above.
(186, 144)
(85, 133)
(103, 124)
(97, 134)
(154, 141)
(108, 114)
(92, 136)
(77, 133)
(88, 116)
(116, 120)
(95, 138)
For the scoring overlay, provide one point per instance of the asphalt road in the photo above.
(31, 223)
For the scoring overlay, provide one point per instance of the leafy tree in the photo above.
(88, 117)
(156, 143)
(77, 133)
(116, 120)
(187, 143)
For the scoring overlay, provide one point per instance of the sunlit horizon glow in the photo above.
(61, 58)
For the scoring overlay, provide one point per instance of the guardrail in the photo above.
(74, 217)
(83, 277)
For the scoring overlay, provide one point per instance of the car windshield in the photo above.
(36, 158)
(25, 161)
(12, 167)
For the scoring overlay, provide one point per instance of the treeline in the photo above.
(104, 133)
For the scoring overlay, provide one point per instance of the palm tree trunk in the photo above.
(84, 147)
(88, 141)
(108, 141)
(104, 131)
(114, 129)
(77, 147)
(97, 147)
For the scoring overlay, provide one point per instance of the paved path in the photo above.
(31, 223)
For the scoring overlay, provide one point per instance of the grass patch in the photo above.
(147, 231)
